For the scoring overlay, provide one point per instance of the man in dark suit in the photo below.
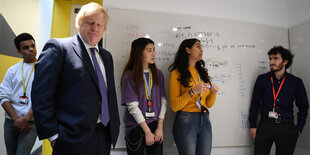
(73, 92)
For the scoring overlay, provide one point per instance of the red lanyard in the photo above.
(275, 96)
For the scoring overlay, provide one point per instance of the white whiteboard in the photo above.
(300, 46)
(235, 53)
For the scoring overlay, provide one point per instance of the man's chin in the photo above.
(274, 70)
(93, 41)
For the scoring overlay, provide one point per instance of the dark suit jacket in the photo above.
(65, 93)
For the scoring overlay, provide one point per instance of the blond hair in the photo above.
(90, 9)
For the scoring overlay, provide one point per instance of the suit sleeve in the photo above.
(44, 89)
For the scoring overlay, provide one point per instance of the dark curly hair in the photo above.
(285, 54)
(181, 64)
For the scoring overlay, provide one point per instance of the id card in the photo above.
(23, 99)
(198, 104)
(149, 115)
(273, 114)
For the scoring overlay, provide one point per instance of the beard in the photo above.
(277, 68)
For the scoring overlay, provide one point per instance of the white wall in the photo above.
(298, 12)
(44, 23)
(21, 15)
(264, 12)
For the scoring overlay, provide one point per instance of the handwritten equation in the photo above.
(162, 59)
(244, 121)
(165, 53)
(204, 35)
(221, 77)
(221, 48)
(209, 39)
(240, 80)
(262, 65)
(217, 64)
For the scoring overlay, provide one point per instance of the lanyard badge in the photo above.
(24, 99)
(273, 113)
(148, 90)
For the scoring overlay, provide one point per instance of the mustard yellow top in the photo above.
(181, 100)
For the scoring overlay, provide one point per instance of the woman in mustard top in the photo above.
(191, 94)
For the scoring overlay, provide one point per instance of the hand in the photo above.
(27, 128)
(253, 132)
(214, 89)
(53, 143)
(21, 124)
(149, 138)
(200, 88)
(159, 137)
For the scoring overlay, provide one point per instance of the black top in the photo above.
(292, 89)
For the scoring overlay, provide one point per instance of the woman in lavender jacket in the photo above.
(143, 94)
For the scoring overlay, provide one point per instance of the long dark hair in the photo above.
(134, 64)
(181, 64)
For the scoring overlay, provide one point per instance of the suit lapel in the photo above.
(81, 51)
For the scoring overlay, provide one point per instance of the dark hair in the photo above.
(285, 54)
(134, 64)
(22, 37)
(181, 64)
